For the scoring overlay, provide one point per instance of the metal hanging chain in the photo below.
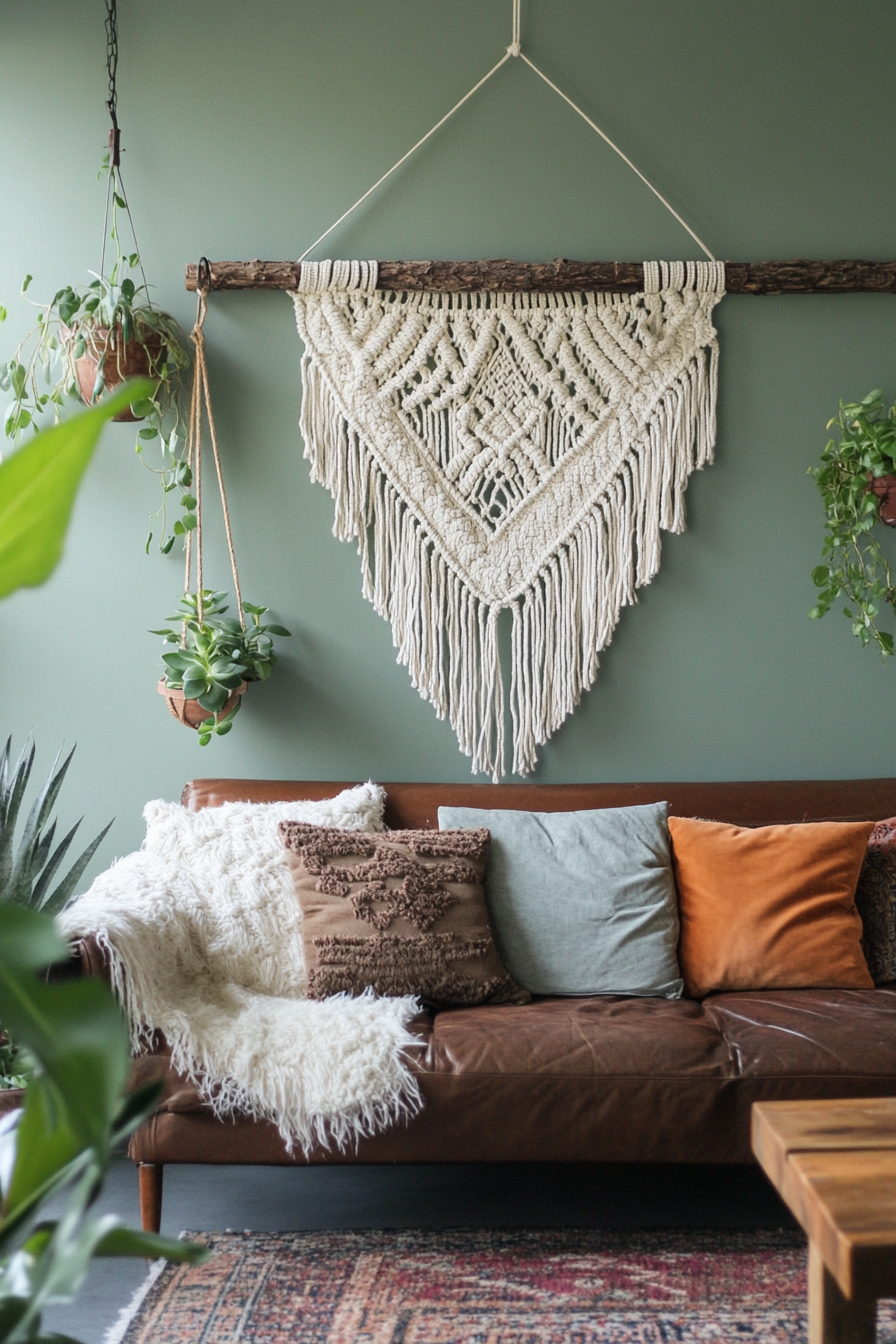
(115, 177)
(112, 71)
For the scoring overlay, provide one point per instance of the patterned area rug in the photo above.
(569, 1286)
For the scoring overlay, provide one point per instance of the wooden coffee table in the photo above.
(834, 1165)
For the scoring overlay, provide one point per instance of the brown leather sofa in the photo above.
(605, 1079)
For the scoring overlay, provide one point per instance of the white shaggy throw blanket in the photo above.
(204, 935)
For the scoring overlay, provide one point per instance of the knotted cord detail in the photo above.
(507, 451)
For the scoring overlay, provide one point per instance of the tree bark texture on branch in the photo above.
(618, 277)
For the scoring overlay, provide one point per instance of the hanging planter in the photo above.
(91, 337)
(884, 487)
(215, 656)
(13, 1076)
(110, 359)
(190, 712)
(857, 480)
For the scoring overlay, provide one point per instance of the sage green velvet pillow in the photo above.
(581, 902)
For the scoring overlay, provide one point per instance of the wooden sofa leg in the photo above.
(150, 1177)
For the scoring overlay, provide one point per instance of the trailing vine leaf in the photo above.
(854, 565)
(38, 485)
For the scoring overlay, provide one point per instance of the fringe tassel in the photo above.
(447, 638)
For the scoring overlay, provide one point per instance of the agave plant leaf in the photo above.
(11, 794)
(27, 870)
(51, 864)
(59, 898)
(44, 802)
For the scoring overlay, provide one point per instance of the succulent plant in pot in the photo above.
(215, 657)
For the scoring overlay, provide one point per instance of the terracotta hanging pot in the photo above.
(885, 489)
(11, 1098)
(123, 360)
(190, 712)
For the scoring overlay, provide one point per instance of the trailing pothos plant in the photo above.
(87, 340)
(853, 480)
(215, 655)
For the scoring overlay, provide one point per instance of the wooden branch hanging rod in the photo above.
(618, 277)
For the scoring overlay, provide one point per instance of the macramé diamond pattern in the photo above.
(520, 451)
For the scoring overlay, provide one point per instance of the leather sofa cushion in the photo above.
(600, 1080)
(728, 1037)
(809, 1032)
(592, 1037)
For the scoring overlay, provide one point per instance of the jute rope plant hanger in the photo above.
(498, 435)
(185, 710)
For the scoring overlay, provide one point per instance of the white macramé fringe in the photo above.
(447, 638)
(446, 634)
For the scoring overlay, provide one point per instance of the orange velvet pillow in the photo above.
(770, 908)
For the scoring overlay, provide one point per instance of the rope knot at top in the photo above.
(515, 49)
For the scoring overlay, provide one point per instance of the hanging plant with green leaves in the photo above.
(857, 480)
(89, 338)
(216, 655)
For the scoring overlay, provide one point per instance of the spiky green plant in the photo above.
(27, 870)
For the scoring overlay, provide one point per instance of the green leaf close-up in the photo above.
(38, 485)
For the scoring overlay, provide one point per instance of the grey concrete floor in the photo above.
(537, 1195)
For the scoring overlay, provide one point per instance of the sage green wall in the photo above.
(248, 128)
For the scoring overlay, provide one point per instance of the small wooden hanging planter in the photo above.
(11, 1099)
(123, 360)
(885, 489)
(190, 712)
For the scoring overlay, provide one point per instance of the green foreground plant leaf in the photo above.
(38, 485)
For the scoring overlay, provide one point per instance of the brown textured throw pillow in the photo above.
(876, 902)
(401, 913)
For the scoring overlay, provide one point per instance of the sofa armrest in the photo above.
(87, 954)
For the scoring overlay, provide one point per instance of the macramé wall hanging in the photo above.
(492, 451)
(508, 436)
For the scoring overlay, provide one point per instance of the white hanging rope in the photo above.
(515, 49)
(623, 157)
(447, 117)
